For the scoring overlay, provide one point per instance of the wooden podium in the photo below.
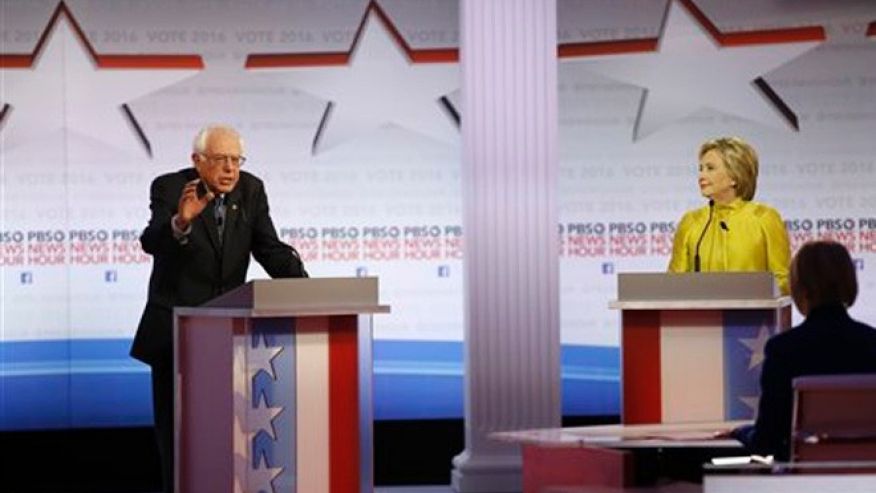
(273, 388)
(692, 343)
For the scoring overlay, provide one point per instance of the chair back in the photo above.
(834, 418)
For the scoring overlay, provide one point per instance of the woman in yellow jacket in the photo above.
(732, 233)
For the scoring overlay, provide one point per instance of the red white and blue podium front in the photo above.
(692, 344)
(273, 389)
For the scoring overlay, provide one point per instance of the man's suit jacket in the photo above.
(827, 342)
(200, 267)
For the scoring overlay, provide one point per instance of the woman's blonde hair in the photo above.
(740, 159)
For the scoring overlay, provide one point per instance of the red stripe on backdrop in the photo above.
(150, 61)
(343, 404)
(165, 61)
(777, 36)
(428, 55)
(269, 60)
(616, 47)
(759, 37)
(640, 343)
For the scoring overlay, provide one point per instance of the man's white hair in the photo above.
(199, 145)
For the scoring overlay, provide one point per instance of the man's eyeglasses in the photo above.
(222, 160)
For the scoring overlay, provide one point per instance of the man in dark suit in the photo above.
(823, 285)
(206, 222)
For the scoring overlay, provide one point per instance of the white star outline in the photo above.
(260, 416)
(756, 345)
(251, 419)
(261, 357)
(691, 71)
(66, 85)
(257, 479)
(380, 85)
(751, 402)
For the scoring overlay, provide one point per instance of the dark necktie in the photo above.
(219, 215)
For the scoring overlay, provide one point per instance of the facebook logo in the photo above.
(443, 271)
(608, 268)
(26, 278)
(361, 271)
(110, 276)
(859, 263)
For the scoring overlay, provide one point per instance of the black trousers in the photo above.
(162, 409)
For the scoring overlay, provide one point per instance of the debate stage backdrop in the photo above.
(350, 113)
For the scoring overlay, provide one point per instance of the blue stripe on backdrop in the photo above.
(94, 383)
(591, 380)
(421, 380)
(72, 383)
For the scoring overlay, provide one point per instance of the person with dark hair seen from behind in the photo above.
(732, 233)
(829, 341)
(206, 221)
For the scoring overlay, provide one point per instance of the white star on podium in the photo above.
(757, 345)
(262, 419)
(751, 402)
(65, 88)
(256, 479)
(262, 358)
(261, 479)
(257, 420)
(691, 71)
(379, 86)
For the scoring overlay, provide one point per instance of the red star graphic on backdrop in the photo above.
(65, 84)
(693, 65)
(380, 80)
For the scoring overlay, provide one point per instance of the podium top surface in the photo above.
(698, 290)
(675, 435)
(306, 296)
(695, 304)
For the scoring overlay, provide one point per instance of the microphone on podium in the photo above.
(702, 235)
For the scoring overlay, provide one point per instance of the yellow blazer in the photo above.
(755, 239)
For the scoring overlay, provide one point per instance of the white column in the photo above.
(508, 56)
